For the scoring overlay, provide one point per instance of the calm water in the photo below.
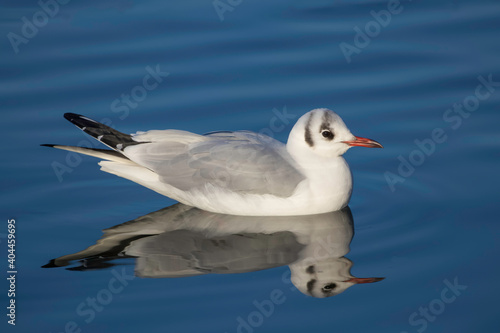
(423, 209)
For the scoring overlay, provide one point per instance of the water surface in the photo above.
(432, 234)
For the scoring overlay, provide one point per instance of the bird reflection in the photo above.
(181, 241)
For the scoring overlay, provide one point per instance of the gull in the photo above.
(235, 172)
(181, 241)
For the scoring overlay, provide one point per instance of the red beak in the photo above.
(363, 142)
(364, 280)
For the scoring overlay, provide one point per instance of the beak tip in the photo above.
(364, 280)
(363, 142)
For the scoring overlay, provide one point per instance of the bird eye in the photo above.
(330, 286)
(327, 134)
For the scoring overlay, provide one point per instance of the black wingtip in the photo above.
(51, 264)
(70, 116)
(47, 145)
(81, 121)
(103, 133)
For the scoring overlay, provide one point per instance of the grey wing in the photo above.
(242, 162)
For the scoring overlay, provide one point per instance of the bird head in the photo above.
(324, 133)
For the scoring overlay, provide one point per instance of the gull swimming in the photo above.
(235, 172)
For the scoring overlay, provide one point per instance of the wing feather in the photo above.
(242, 162)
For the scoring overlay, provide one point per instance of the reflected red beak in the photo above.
(364, 280)
(364, 142)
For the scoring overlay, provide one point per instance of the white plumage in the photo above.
(239, 173)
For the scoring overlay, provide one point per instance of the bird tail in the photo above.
(104, 154)
(110, 137)
(118, 164)
(115, 162)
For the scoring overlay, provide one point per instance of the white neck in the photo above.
(329, 178)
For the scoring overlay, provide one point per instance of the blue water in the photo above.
(425, 215)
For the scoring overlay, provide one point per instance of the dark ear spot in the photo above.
(310, 285)
(310, 269)
(307, 134)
